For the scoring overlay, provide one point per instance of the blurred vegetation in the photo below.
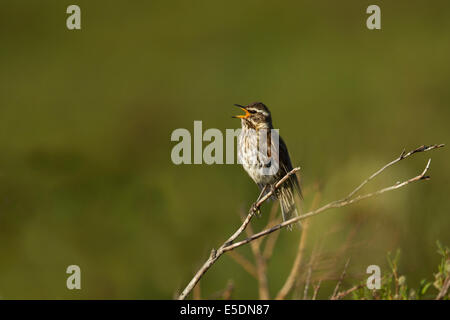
(86, 116)
(394, 286)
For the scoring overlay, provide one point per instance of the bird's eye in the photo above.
(252, 111)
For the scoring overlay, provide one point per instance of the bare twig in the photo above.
(229, 245)
(228, 290)
(308, 280)
(215, 254)
(270, 244)
(261, 266)
(336, 289)
(284, 291)
(262, 276)
(272, 240)
(334, 204)
(444, 289)
(244, 263)
(402, 156)
(197, 292)
(345, 293)
(316, 290)
(272, 215)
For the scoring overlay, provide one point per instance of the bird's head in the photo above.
(257, 116)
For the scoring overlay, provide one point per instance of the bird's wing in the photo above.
(286, 165)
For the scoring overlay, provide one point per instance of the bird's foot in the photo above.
(255, 209)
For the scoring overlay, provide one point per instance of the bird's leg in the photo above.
(263, 191)
(272, 189)
(254, 208)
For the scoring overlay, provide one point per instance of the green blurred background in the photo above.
(86, 116)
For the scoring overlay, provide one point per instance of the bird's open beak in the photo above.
(244, 116)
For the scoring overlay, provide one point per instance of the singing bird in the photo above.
(256, 125)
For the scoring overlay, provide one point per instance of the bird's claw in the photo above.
(255, 209)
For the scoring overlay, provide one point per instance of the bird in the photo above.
(258, 151)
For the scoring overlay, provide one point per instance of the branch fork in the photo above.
(349, 199)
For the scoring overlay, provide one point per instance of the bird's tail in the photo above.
(287, 203)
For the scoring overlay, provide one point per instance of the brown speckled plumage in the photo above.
(256, 124)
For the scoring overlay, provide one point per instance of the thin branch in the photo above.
(289, 283)
(444, 289)
(284, 291)
(272, 240)
(345, 293)
(261, 266)
(334, 204)
(336, 289)
(229, 245)
(396, 281)
(312, 264)
(270, 243)
(244, 263)
(308, 280)
(215, 254)
(316, 290)
(197, 292)
(273, 215)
